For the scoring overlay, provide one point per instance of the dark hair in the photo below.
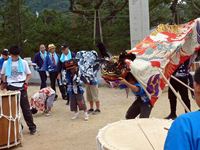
(15, 50)
(129, 77)
(102, 49)
(197, 76)
(65, 45)
(5, 52)
(69, 64)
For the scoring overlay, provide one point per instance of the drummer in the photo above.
(184, 132)
(15, 75)
(141, 106)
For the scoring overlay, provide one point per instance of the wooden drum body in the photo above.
(134, 134)
(9, 119)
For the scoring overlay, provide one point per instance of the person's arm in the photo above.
(178, 137)
(45, 65)
(35, 59)
(28, 77)
(28, 73)
(129, 85)
(3, 77)
(59, 67)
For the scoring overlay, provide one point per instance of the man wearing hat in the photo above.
(52, 65)
(15, 76)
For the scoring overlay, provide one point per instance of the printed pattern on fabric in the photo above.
(74, 84)
(88, 65)
(39, 98)
(167, 47)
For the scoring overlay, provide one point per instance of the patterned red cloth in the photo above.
(39, 98)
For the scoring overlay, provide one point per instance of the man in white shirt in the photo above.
(15, 76)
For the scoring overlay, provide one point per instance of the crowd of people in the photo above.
(71, 71)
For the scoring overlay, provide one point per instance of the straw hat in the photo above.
(50, 46)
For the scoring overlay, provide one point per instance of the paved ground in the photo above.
(60, 132)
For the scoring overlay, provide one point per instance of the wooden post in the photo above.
(94, 36)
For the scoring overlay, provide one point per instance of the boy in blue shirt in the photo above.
(141, 106)
(184, 132)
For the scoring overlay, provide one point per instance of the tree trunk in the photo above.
(173, 8)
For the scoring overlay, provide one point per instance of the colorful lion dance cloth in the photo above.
(166, 48)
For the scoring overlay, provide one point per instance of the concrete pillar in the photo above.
(139, 20)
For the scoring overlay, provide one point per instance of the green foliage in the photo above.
(40, 5)
(55, 24)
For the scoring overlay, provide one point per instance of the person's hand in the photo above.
(25, 86)
(4, 85)
(58, 77)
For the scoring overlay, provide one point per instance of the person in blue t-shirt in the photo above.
(5, 56)
(141, 106)
(184, 132)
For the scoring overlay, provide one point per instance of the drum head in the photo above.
(132, 134)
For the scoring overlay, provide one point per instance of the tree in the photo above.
(90, 8)
(16, 25)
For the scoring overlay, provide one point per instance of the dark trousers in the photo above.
(43, 77)
(138, 107)
(24, 103)
(63, 90)
(183, 91)
(53, 78)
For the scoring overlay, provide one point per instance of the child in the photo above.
(89, 68)
(43, 101)
(142, 104)
(75, 90)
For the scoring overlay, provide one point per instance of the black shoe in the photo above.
(97, 111)
(171, 116)
(33, 131)
(34, 111)
(91, 110)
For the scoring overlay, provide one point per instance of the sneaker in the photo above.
(97, 111)
(33, 131)
(91, 110)
(171, 116)
(75, 116)
(48, 114)
(86, 116)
